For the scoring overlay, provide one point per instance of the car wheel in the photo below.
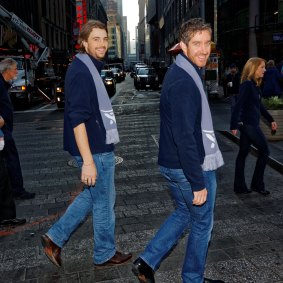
(29, 98)
(60, 105)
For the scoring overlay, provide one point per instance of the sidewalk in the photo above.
(247, 241)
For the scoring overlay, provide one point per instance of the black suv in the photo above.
(146, 78)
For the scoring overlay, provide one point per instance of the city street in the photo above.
(247, 240)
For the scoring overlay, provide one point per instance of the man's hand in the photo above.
(2, 122)
(200, 197)
(89, 174)
(274, 126)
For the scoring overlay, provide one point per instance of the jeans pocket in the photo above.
(176, 176)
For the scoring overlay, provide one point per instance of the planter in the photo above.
(278, 117)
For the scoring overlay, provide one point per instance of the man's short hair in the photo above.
(189, 28)
(270, 64)
(7, 64)
(86, 31)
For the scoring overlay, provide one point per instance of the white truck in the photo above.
(27, 83)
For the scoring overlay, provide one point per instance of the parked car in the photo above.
(146, 78)
(109, 81)
(107, 77)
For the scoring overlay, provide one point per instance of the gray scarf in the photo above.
(105, 106)
(213, 157)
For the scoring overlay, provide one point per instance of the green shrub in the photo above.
(273, 103)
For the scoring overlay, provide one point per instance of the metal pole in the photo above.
(215, 22)
(202, 9)
(253, 14)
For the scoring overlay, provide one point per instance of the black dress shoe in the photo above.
(206, 280)
(24, 195)
(14, 221)
(118, 258)
(144, 272)
(262, 192)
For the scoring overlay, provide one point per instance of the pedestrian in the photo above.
(8, 72)
(188, 157)
(233, 84)
(245, 117)
(7, 203)
(90, 133)
(271, 81)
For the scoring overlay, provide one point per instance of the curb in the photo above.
(273, 163)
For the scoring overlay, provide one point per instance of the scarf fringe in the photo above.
(213, 161)
(112, 136)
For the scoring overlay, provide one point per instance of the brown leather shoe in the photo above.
(118, 258)
(52, 251)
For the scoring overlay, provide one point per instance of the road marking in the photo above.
(133, 104)
(42, 109)
(155, 140)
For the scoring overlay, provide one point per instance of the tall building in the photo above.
(116, 34)
(47, 18)
(140, 45)
(96, 11)
(241, 29)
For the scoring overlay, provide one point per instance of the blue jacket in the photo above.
(249, 107)
(81, 106)
(271, 85)
(6, 108)
(180, 144)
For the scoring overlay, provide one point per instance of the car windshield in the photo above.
(20, 63)
(115, 70)
(106, 73)
(145, 71)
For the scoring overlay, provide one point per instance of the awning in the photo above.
(175, 49)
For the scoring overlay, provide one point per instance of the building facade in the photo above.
(48, 18)
(117, 35)
(164, 19)
(250, 28)
(241, 29)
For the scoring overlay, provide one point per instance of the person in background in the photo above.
(271, 81)
(232, 85)
(90, 133)
(245, 117)
(7, 203)
(8, 71)
(188, 158)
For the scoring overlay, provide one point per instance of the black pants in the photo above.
(7, 204)
(251, 135)
(13, 166)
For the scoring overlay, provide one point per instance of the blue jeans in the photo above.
(99, 200)
(251, 135)
(198, 218)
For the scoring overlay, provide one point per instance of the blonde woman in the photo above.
(245, 117)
